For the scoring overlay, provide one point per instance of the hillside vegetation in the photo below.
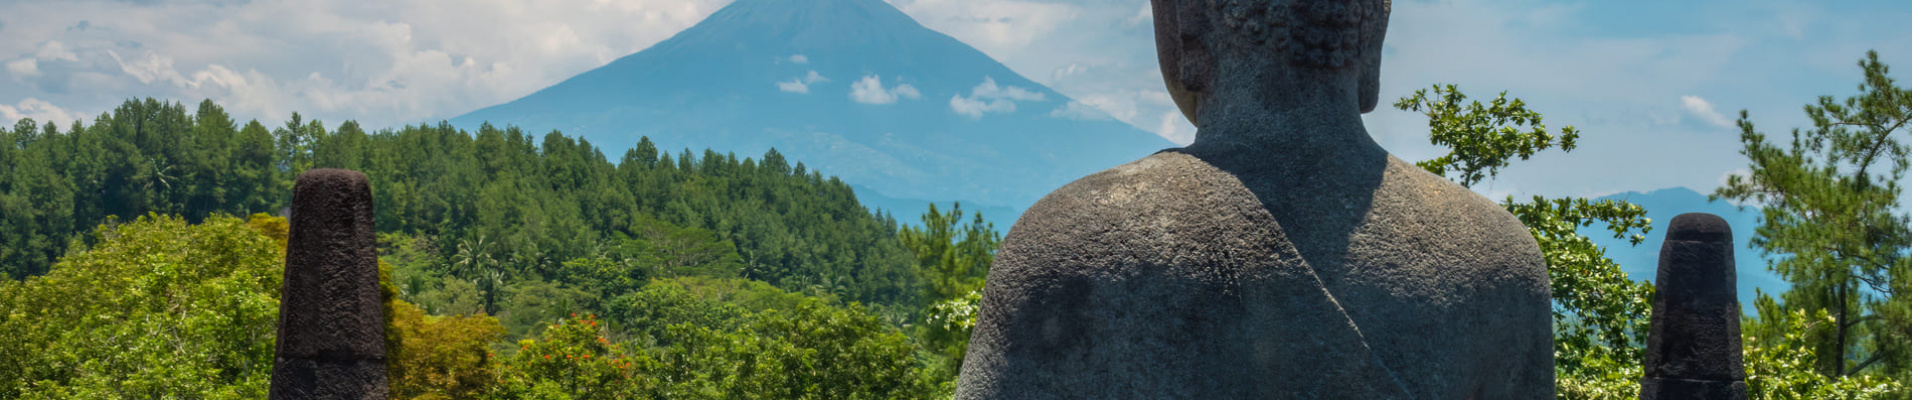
(495, 199)
(686, 275)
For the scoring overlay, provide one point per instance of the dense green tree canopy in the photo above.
(158, 308)
(501, 204)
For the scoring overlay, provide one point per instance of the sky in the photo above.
(1654, 86)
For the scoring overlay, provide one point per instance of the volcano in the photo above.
(852, 88)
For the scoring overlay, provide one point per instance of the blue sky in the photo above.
(1637, 77)
(1652, 84)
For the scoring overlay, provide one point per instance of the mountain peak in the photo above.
(793, 6)
(805, 23)
(853, 88)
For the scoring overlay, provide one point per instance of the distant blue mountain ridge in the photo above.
(852, 88)
(1642, 262)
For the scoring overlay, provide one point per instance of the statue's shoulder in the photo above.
(1420, 204)
(1169, 207)
(1138, 195)
(1407, 183)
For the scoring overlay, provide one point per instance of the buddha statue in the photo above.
(1282, 255)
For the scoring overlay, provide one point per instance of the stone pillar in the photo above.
(1693, 346)
(331, 317)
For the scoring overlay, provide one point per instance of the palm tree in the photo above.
(474, 263)
(159, 171)
(828, 286)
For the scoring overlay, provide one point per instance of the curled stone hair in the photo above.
(1329, 34)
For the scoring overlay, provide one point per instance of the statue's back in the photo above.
(1282, 255)
(1169, 278)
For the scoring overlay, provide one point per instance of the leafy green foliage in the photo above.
(1599, 312)
(163, 309)
(813, 351)
(157, 309)
(954, 257)
(453, 296)
(439, 357)
(709, 338)
(145, 156)
(574, 360)
(1481, 139)
(1601, 377)
(534, 303)
(1830, 207)
(625, 263)
(414, 261)
(945, 334)
(536, 207)
(1782, 358)
(645, 316)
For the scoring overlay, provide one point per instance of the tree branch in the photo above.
(1862, 366)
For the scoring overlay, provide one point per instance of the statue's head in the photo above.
(1195, 38)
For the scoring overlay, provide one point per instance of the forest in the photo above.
(144, 253)
(492, 238)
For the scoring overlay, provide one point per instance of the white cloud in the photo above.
(1067, 71)
(54, 50)
(29, 66)
(1078, 110)
(989, 89)
(869, 90)
(1134, 97)
(40, 111)
(906, 91)
(988, 97)
(974, 108)
(800, 59)
(1703, 109)
(382, 63)
(150, 68)
(1124, 106)
(1099, 52)
(801, 84)
(1176, 128)
(24, 68)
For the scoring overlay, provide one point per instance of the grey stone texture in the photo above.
(1693, 343)
(1283, 255)
(331, 318)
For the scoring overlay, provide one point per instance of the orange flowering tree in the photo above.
(573, 360)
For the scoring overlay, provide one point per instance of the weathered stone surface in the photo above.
(331, 341)
(1283, 255)
(297, 378)
(1670, 389)
(1693, 343)
(1169, 278)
